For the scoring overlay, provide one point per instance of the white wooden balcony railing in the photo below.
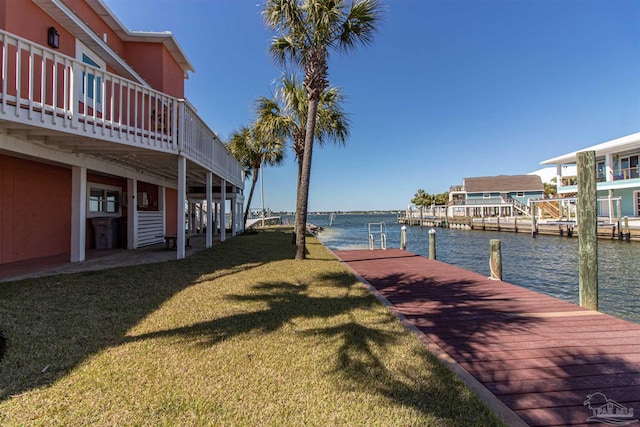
(43, 88)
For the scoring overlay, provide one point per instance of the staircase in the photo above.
(550, 209)
(518, 205)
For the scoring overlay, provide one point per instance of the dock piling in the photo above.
(432, 243)
(627, 233)
(495, 260)
(587, 221)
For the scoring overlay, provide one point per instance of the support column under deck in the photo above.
(78, 213)
(234, 213)
(181, 206)
(209, 237)
(223, 210)
(132, 214)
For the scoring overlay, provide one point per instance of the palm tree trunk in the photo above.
(303, 188)
(295, 227)
(254, 179)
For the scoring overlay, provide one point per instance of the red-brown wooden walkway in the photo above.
(538, 355)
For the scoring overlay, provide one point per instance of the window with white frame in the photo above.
(520, 194)
(88, 82)
(486, 195)
(104, 200)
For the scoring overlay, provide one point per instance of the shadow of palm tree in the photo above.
(284, 302)
(362, 346)
(53, 324)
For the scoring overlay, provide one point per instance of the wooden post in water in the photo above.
(432, 243)
(560, 213)
(587, 230)
(495, 260)
(534, 228)
(446, 216)
(627, 233)
(610, 206)
(619, 215)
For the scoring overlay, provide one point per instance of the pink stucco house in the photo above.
(98, 145)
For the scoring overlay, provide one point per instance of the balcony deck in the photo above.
(61, 104)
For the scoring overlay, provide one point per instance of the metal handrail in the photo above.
(381, 230)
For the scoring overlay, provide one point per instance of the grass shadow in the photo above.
(52, 324)
(364, 340)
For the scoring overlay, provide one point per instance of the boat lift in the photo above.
(377, 229)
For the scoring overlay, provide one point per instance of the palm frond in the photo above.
(360, 25)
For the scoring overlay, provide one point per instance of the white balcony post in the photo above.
(209, 237)
(559, 176)
(608, 167)
(182, 206)
(234, 213)
(132, 213)
(78, 213)
(223, 210)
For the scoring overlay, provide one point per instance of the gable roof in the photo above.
(58, 10)
(164, 37)
(503, 183)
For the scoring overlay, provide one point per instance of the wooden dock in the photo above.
(539, 356)
(553, 228)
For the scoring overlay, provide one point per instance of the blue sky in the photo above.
(449, 89)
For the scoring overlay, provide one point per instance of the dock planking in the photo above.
(539, 355)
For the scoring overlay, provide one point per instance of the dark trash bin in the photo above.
(106, 232)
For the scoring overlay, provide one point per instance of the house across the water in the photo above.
(617, 175)
(499, 196)
(98, 145)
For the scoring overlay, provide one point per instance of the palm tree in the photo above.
(421, 199)
(286, 114)
(308, 30)
(254, 148)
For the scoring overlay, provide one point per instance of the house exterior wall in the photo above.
(627, 204)
(95, 22)
(152, 61)
(617, 169)
(173, 76)
(496, 197)
(35, 209)
(28, 20)
(50, 117)
(154, 64)
(3, 13)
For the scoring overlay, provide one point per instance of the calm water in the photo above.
(547, 264)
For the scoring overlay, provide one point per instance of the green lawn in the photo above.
(240, 334)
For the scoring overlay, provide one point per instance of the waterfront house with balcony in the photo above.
(98, 145)
(617, 174)
(501, 196)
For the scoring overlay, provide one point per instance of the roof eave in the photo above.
(72, 23)
(613, 146)
(165, 37)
